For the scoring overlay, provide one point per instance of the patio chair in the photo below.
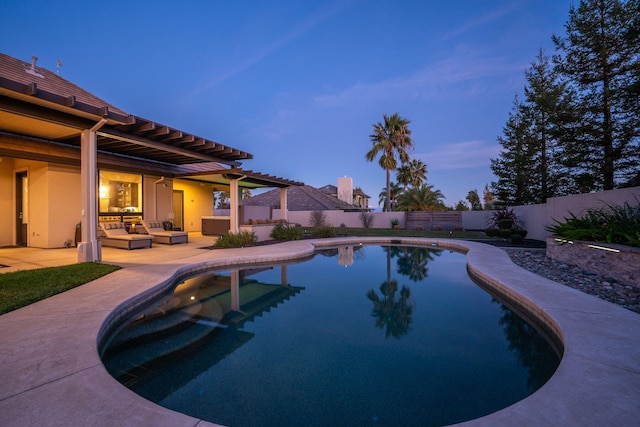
(115, 235)
(154, 228)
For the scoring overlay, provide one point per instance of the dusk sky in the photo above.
(299, 84)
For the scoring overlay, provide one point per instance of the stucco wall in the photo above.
(536, 217)
(64, 211)
(350, 219)
(198, 202)
(37, 216)
(7, 186)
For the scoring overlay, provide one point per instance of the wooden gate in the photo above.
(434, 220)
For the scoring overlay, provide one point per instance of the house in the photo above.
(69, 159)
(301, 198)
(358, 198)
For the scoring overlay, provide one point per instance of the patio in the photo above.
(52, 373)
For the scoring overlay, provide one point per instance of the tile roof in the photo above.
(300, 198)
(25, 86)
(22, 72)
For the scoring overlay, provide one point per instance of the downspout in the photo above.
(155, 197)
(98, 125)
(89, 249)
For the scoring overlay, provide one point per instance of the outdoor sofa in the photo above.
(115, 234)
(154, 228)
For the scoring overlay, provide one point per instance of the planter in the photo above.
(619, 262)
(261, 231)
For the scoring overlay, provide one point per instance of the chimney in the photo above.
(32, 69)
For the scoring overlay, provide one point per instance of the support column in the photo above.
(235, 290)
(234, 223)
(89, 249)
(283, 204)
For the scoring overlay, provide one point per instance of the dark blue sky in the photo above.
(299, 84)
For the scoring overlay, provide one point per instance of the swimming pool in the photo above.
(356, 336)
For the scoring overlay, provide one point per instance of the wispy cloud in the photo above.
(483, 20)
(442, 79)
(271, 47)
(459, 155)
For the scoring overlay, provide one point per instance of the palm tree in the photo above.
(404, 176)
(393, 311)
(423, 198)
(396, 190)
(392, 139)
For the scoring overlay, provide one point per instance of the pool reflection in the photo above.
(298, 350)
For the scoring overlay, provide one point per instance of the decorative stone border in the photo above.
(622, 263)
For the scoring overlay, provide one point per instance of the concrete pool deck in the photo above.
(51, 373)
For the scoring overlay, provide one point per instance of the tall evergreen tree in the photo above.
(600, 56)
(514, 167)
(549, 104)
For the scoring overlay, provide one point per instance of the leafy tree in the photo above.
(391, 139)
(488, 198)
(223, 197)
(600, 57)
(461, 206)
(474, 200)
(423, 198)
(395, 191)
(246, 193)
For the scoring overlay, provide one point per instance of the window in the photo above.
(120, 192)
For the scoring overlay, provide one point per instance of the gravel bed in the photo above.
(603, 287)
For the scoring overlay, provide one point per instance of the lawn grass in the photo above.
(25, 287)
(28, 286)
(389, 232)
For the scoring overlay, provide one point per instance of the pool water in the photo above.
(364, 335)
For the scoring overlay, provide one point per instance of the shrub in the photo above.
(505, 224)
(491, 232)
(521, 231)
(236, 240)
(504, 214)
(610, 224)
(326, 231)
(366, 218)
(283, 231)
(395, 222)
(516, 238)
(318, 219)
(504, 233)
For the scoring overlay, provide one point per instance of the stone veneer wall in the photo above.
(623, 266)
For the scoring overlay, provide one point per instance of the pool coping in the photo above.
(52, 374)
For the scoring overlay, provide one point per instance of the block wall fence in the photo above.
(534, 218)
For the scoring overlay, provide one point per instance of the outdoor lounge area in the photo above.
(160, 235)
(115, 235)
